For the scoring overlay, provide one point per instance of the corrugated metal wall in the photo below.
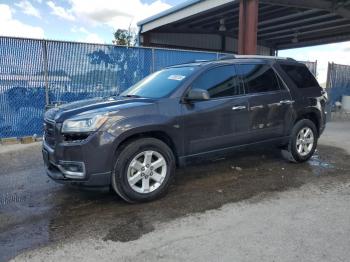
(199, 41)
(196, 41)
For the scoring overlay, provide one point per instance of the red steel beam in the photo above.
(248, 27)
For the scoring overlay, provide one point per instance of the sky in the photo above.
(75, 20)
(95, 21)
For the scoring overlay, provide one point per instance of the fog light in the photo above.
(72, 169)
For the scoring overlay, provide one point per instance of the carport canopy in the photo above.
(248, 26)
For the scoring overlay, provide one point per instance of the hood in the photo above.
(112, 104)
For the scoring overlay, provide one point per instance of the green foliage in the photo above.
(125, 37)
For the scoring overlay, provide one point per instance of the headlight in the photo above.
(84, 123)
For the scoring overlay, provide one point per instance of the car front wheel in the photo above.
(143, 171)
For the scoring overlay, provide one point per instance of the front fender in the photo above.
(131, 126)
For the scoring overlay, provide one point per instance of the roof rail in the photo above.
(263, 57)
(190, 62)
(227, 57)
(200, 61)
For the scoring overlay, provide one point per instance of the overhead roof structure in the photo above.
(281, 24)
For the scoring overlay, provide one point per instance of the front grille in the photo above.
(50, 133)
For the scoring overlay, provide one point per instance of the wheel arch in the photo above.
(157, 134)
(313, 116)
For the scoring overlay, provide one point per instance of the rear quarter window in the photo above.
(300, 75)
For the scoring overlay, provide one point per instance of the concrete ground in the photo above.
(253, 206)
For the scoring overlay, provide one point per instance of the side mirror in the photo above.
(197, 95)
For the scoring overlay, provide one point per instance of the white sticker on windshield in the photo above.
(176, 77)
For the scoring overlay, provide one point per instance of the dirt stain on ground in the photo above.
(130, 229)
(58, 213)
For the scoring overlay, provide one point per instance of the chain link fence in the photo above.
(338, 82)
(338, 86)
(35, 74)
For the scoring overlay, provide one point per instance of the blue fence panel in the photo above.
(78, 71)
(339, 77)
(22, 87)
(167, 57)
(221, 55)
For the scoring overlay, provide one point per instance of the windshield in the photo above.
(161, 83)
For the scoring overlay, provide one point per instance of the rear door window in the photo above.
(258, 78)
(300, 75)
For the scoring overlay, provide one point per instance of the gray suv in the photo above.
(134, 141)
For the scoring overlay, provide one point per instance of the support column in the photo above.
(223, 43)
(248, 27)
(146, 40)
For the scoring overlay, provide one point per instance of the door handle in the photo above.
(275, 104)
(239, 108)
(286, 102)
(256, 107)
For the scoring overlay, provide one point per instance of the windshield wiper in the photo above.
(133, 96)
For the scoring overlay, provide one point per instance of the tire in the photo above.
(298, 149)
(136, 163)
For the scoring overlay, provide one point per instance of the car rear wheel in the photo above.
(144, 170)
(303, 141)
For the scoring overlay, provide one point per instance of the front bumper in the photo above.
(94, 180)
(92, 160)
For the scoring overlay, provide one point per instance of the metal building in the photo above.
(248, 26)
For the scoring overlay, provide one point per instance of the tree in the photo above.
(125, 37)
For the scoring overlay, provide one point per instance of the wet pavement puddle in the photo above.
(317, 162)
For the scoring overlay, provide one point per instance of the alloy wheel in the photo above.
(147, 171)
(305, 141)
